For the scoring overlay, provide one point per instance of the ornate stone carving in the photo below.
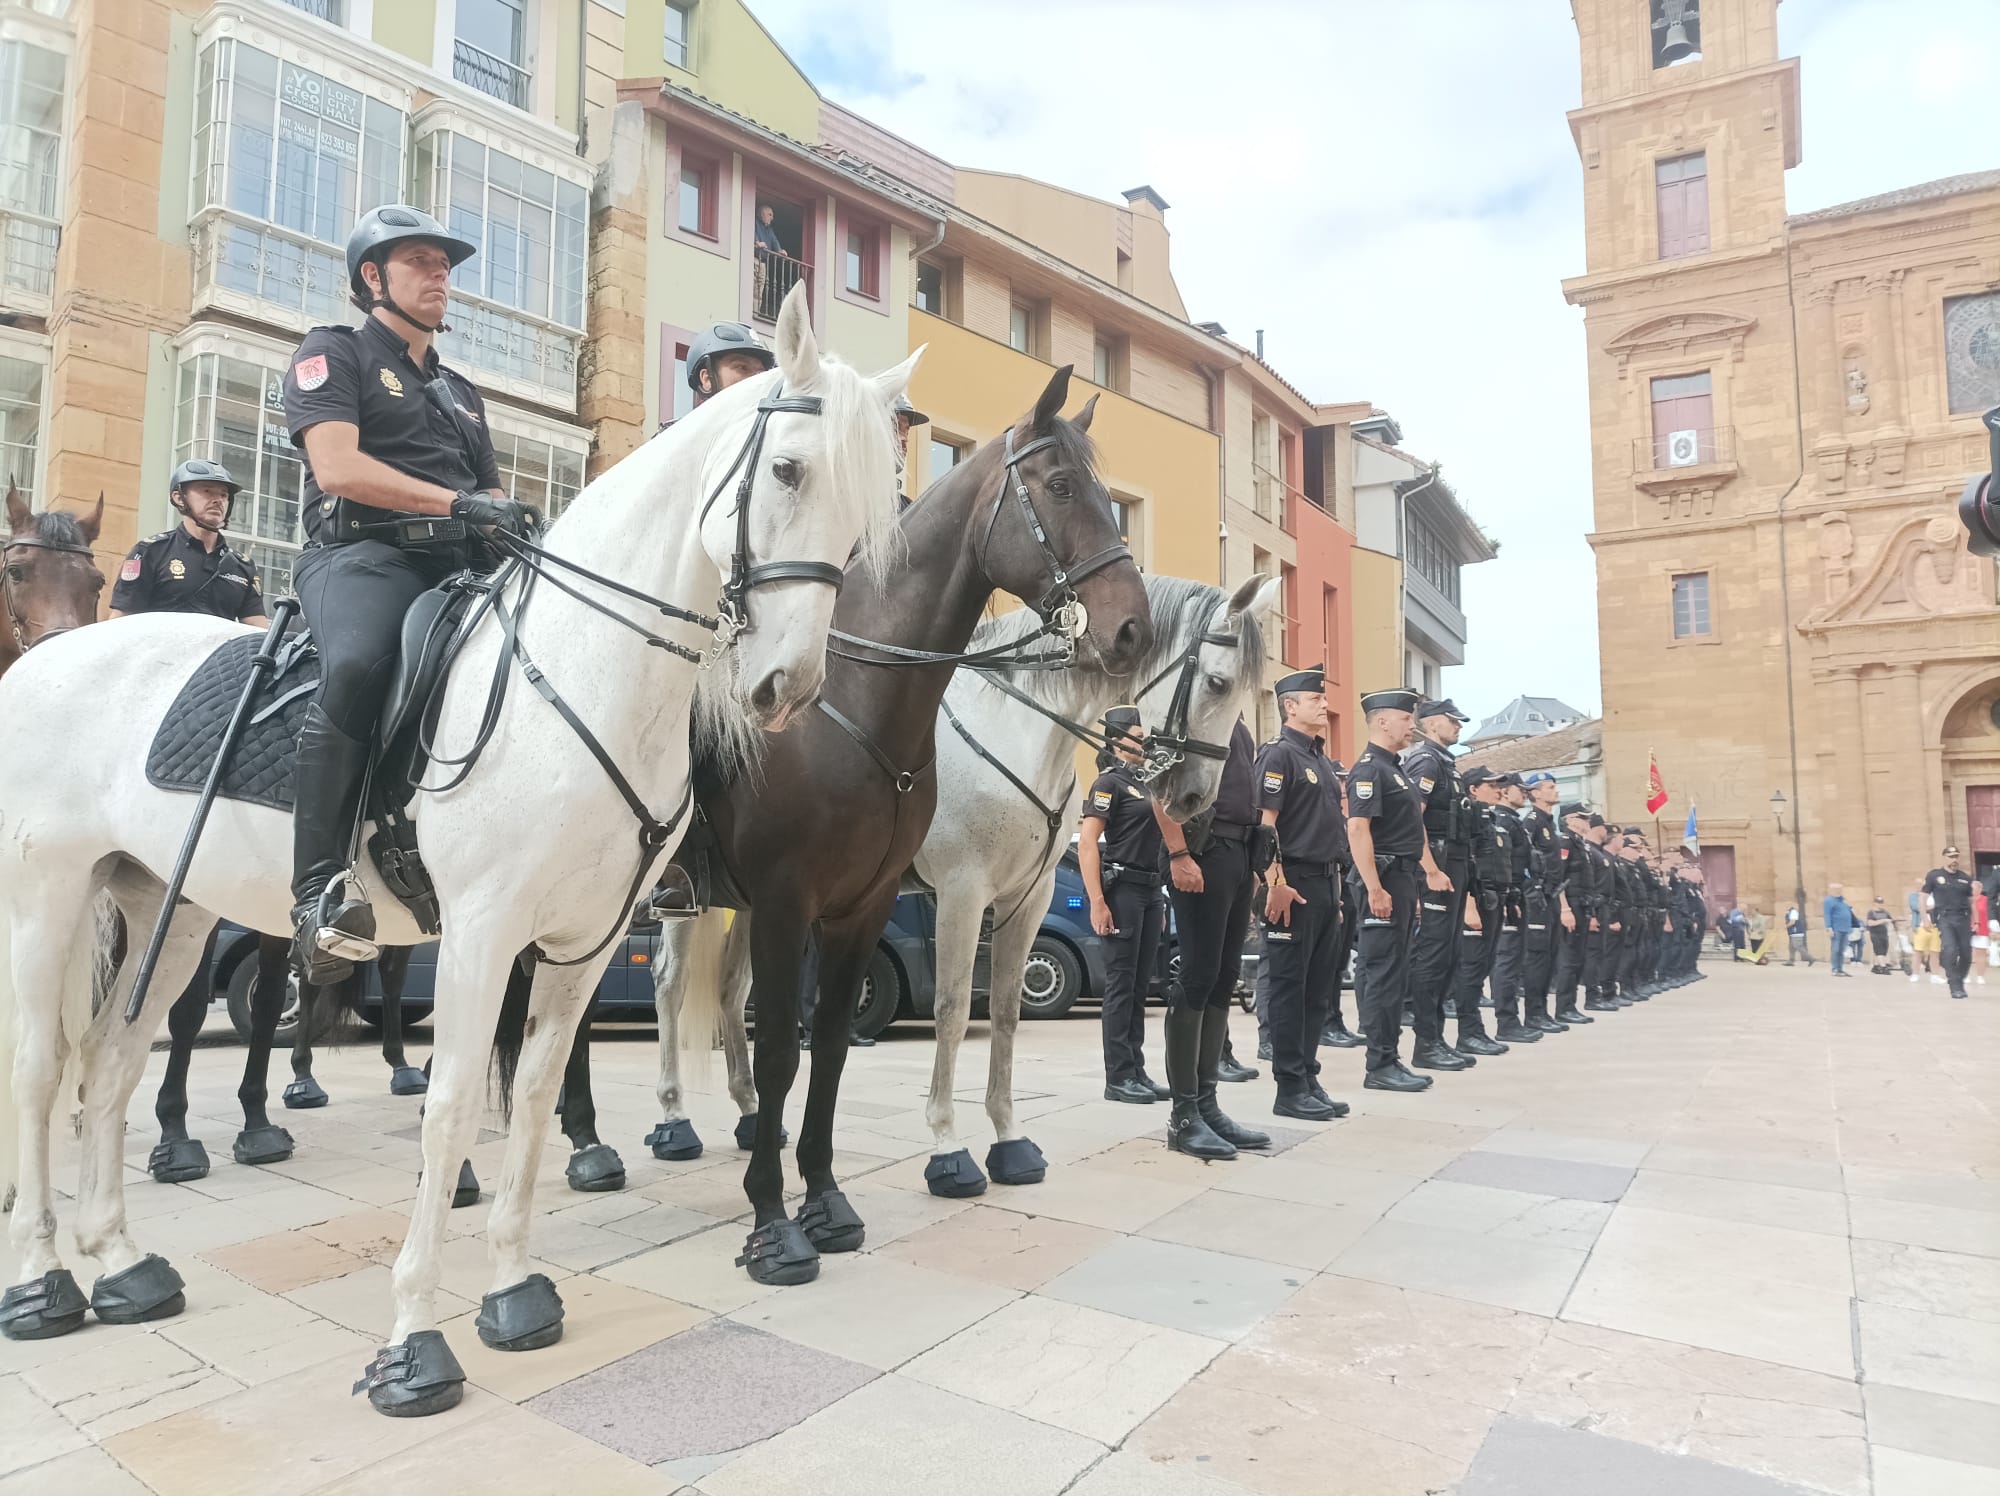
(1920, 569)
(1857, 390)
(1678, 332)
(1836, 550)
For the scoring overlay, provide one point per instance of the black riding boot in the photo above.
(333, 928)
(1214, 1040)
(1186, 1131)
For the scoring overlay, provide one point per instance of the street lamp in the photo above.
(1778, 809)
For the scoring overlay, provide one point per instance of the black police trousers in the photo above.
(1572, 952)
(354, 598)
(1955, 950)
(1509, 960)
(1382, 974)
(1474, 959)
(1212, 926)
(1350, 935)
(1541, 924)
(1600, 954)
(1631, 942)
(1299, 955)
(1136, 915)
(1436, 944)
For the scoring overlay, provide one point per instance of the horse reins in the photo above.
(1172, 740)
(18, 622)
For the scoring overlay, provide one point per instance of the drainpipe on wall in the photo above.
(917, 251)
(582, 77)
(1218, 404)
(1785, 589)
(1403, 566)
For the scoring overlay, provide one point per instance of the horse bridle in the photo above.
(18, 622)
(1171, 743)
(742, 575)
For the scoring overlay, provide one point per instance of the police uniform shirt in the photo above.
(1295, 779)
(1435, 773)
(1520, 847)
(1236, 796)
(1379, 791)
(1951, 895)
(1131, 835)
(175, 573)
(1544, 849)
(364, 377)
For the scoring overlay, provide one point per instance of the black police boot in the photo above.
(1129, 1090)
(1264, 1050)
(1337, 1035)
(1569, 1015)
(332, 930)
(1188, 1130)
(1438, 1055)
(1393, 1077)
(1227, 1069)
(1302, 1106)
(1476, 1043)
(1214, 1045)
(1510, 1030)
(1160, 1092)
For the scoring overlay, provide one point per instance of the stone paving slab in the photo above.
(1522, 1458)
(1563, 1178)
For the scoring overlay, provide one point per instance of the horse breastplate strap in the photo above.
(905, 780)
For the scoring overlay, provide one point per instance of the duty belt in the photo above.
(1120, 872)
(1310, 869)
(1230, 831)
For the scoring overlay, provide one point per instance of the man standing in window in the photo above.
(190, 568)
(768, 247)
(395, 444)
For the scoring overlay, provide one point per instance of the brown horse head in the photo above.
(49, 581)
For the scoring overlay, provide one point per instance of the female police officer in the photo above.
(394, 442)
(1126, 906)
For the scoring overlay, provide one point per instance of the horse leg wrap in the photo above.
(675, 1140)
(1016, 1161)
(303, 1094)
(778, 1252)
(746, 1133)
(408, 1080)
(830, 1223)
(148, 1289)
(954, 1176)
(178, 1161)
(525, 1317)
(595, 1169)
(261, 1145)
(52, 1305)
(415, 1379)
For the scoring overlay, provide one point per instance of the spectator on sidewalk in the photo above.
(1982, 931)
(1838, 917)
(1757, 930)
(1880, 923)
(1795, 935)
(1926, 943)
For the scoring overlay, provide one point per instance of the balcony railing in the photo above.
(1679, 449)
(327, 10)
(489, 74)
(773, 276)
(240, 259)
(28, 255)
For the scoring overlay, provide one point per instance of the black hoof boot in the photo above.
(52, 1305)
(1016, 1161)
(746, 1133)
(303, 1094)
(408, 1080)
(179, 1161)
(415, 1379)
(466, 1191)
(778, 1252)
(830, 1223)
(261, 1145)
(595, 1169)
(954, 1176)
(525, 1317)
(676, 1140)
(148, 1289)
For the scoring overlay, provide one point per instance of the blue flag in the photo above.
(1688, 837)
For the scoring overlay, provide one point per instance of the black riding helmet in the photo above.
(380, 230)
(202, 470)
(720, 338)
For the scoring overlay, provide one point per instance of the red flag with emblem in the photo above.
(1656, 787)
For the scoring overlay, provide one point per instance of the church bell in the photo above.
(1676, 30)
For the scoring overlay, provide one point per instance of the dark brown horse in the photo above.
(49, 581)
(819, 840)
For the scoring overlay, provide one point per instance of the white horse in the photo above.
(989, 846)
(535, 848)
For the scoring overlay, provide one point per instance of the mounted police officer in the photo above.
(1299, 799)
(1448, 828)
(399, 472)
(191, 568)
(1127, 906)
(1489, 897)
(1213, 864)
(1391, 862)
(1541, 913)
(722, 354)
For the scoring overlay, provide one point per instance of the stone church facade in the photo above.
(1783, 411)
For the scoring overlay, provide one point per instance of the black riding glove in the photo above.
(510, 515)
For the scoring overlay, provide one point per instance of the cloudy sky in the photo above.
(1388, 188)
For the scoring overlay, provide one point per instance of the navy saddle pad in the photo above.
(260, 772)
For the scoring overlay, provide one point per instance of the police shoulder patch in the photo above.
(310, 373)
(1364, 789)
(1427, 783)
(1273, 780)
(129, 572)
(1101, 799)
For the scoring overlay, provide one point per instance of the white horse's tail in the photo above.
(87, 977)
(701, 987)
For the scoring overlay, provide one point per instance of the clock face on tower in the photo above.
(1972, 352)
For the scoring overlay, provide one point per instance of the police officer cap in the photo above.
(1443, 708)
(720, 338)
(1302, 680)
(203, 470)
(1511, 782)
(1595, 822)
(1540, 776)
(1575, 808)
(910, 413)
(1119, 719)
(1478, 774)
(1389, 701)
(382, 228)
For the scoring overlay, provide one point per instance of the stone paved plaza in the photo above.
(1743, 1239)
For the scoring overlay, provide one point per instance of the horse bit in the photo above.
(18, 622)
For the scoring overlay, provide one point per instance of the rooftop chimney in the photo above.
(1260, 342)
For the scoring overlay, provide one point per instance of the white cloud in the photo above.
(1389, 189)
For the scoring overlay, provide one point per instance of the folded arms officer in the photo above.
(396, 447)
(191, 568)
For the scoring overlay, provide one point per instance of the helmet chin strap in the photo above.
(382, 299)
(199, 522)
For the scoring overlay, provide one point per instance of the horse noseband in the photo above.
(1059, 606)
(742, 575)
(1171, 743)
(17, 623)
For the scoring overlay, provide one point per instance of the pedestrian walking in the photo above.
(1838, 917)
(1949, 889)
(1795, 936)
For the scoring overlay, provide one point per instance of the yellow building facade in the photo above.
(1783, 411)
